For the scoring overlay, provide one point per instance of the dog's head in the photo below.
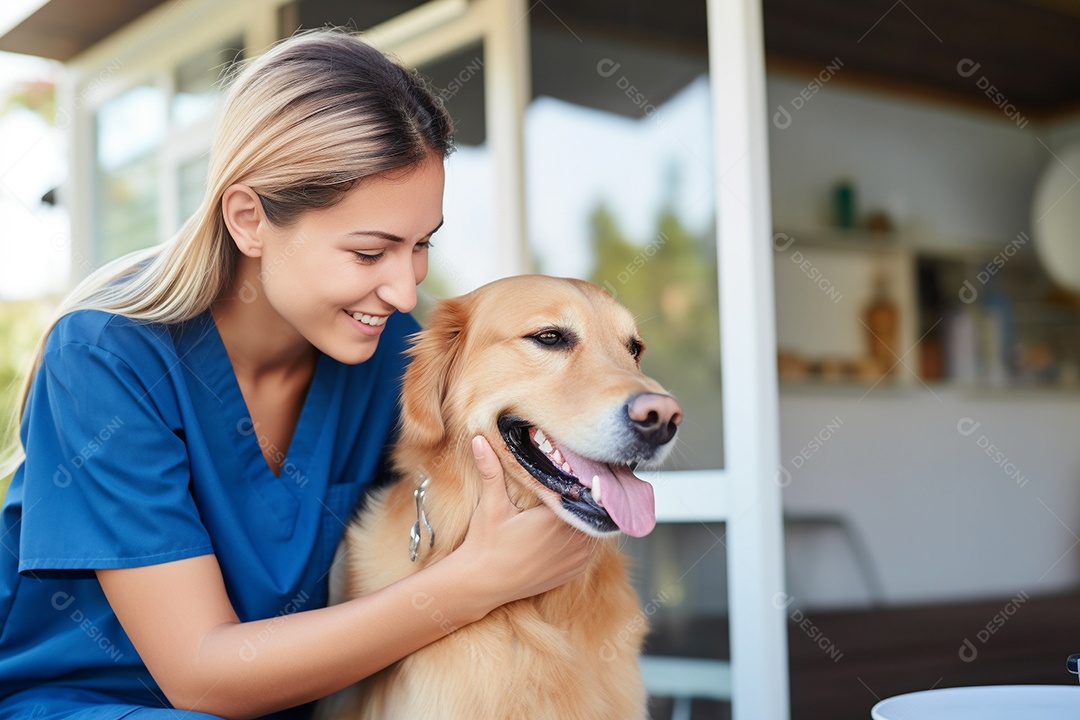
(547, 369)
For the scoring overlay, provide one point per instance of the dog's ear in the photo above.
(434, 353)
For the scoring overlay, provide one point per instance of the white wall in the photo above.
(942, 519)
(936, 170)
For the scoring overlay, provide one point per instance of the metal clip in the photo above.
(421, 517)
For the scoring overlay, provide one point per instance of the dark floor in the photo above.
(841, 663)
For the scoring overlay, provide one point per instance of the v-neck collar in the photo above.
(216, 370)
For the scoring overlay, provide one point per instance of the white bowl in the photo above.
(991, 702)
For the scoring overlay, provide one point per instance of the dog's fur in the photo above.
(571, 652)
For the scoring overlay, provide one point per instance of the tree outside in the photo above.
(34, 245)
(670, 284)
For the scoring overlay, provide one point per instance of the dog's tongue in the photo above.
(627, 498)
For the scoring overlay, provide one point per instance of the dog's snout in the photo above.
(655, 417)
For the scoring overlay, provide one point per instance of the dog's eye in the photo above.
(635, 347)
(549, 337)
(553, 338)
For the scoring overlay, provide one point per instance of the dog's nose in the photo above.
(654, 416)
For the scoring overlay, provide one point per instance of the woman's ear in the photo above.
(243, 213)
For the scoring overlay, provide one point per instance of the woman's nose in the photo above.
(399, 287)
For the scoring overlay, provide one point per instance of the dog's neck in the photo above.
(450, 498)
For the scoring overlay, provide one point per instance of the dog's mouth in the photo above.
(606, 497)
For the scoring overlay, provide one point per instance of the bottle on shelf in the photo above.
(882, 322)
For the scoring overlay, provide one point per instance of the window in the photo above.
(151, 152)
(197, 82)
(130, 129)
(620, 191)
(463, 249)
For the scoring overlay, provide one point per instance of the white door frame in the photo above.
(758, 629)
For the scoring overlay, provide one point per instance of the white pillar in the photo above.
(748, 357)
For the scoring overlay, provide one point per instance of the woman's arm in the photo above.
(179, 617)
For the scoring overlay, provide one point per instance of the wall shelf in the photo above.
(972, 312)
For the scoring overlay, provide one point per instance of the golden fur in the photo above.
(571, 652)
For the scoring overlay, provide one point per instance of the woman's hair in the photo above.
(300, 125)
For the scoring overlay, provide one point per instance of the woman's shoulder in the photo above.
(128, 339)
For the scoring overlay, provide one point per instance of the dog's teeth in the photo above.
(566, 468)
(545, 446)
(555, 455)
(596, 490)
(539, 437)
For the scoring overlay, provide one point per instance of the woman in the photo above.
(204, 417)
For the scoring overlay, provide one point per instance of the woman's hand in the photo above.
(518, 553)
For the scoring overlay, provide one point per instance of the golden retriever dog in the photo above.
(547, 369)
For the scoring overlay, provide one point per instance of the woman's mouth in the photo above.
(365, 323)
(373, 320)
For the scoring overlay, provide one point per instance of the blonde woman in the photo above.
(205, 416)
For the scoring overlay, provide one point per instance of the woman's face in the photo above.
(338, 273)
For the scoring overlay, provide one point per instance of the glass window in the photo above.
(192, 185)
(680, 574)
(130, 126)
(462, 257)
(198, 81)
(145, 135)
(620, 191)
(129, 129)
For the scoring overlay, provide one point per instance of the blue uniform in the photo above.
(140, 450)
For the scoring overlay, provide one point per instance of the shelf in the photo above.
(984, 391)
(847, 388)
(960, 296)
(836, 239)
(976, 250)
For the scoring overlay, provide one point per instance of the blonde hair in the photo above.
(300, 125)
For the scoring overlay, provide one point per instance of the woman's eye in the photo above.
(367, 258)
(422, 246)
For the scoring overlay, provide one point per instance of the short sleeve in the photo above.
(106, 477)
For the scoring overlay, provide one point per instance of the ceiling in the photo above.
(1025, 53)
(1027, 50)
(983, 53)
(61, 29)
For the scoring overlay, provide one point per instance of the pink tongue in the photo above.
(627, 498)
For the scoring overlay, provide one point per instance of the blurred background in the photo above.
(926, 337)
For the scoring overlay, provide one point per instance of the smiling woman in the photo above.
(333, 275)
(202, 418)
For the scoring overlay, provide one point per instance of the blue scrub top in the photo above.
(141, 450)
